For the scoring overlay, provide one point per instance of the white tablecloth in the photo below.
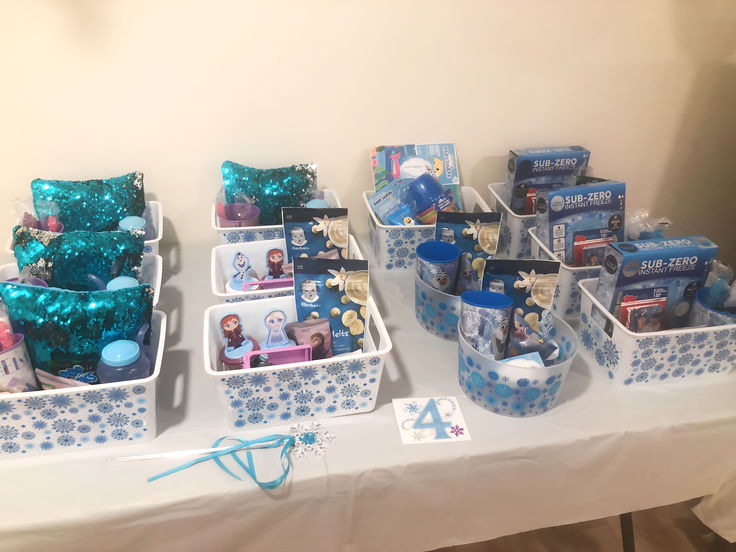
(602, 450)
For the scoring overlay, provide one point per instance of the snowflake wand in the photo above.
(311, 440)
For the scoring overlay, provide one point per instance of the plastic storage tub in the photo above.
(85, 417)
(566, 298)
(513, 390)
(436, 311)
(513, 238)
(256, 233)
(394, 246)
(630, 358)
(151, 273)
(222, 260)
(254, 397)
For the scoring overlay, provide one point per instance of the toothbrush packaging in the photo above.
(578, 222)
(335, 290)
(476, 235)
(650, 285)
(321, 233)
(531, 170)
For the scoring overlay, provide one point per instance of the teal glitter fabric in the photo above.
(95, 205)
(65, 328)
(65, 260)
(271, 189)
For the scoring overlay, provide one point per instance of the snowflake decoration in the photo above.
(310, 439)
(457, 431)
(418, 436)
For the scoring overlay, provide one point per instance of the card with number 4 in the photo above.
(430, 420)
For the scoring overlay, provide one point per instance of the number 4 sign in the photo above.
(430, 420)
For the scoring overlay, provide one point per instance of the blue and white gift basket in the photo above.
(394, 246)
(515, 390)
(513, 237)
(630, 358)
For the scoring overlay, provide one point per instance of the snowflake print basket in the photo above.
(513, 238)
(80, 418)
(265, 232)
(630, 358)
(288, 393)
(513, 390)
(566, 298)
(222, 268)
(394, 246)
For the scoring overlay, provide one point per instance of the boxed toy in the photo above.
(578, 222)
(650, 285)
(533, 169)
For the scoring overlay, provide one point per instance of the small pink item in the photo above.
(233, 215)
(281, 355)
(6, 337)
(268, 284)
(53, 224)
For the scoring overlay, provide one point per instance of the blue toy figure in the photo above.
(243, 272)
(275, 321)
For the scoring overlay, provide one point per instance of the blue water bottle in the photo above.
(122, 361)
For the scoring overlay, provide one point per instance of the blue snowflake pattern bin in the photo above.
(513, 390)
(85, 417)
(629, 358)
(566, 298)
(221, 268)
(513, 237)
(288, 393)
(265, 232)
(436, 311)
(394, 247)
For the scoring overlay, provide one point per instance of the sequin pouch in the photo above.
(95, 205)
(271, 189)
(66, 260)
(65, 331)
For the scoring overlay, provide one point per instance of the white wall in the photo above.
(95, 89)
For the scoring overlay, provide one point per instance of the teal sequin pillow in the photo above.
(271, 189)
(65, 331)
(95, 205)
(66, 260)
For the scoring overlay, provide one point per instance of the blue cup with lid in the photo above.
(484, 321)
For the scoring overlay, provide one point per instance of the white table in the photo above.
(601, 451)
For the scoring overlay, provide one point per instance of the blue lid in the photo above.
(132, 223)
(438, 252)
(317, 204)
(121, 353)
(121, 282)
(487, 299)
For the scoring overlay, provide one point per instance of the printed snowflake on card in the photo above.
(430, 420)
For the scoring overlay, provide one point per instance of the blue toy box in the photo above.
(577, 223)
(530, 170)
(655, 274)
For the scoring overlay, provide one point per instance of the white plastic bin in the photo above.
(151, 273)
(394, 246)
(272, 395)
(630, 358)
(222, 260)
(513, 238)
(512, 390)
(256, 233)
(85, 417)
(566, 298)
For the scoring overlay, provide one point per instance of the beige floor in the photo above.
(669, 529)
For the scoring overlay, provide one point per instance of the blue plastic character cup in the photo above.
(484, 321)
(437, 263)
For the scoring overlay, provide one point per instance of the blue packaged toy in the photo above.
(533, 169)
(321, 233)
(650, 285)
(577, 223)
(529, 283)
(476, 235)
(336, 290)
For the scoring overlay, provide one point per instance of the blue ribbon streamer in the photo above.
(286, 442)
